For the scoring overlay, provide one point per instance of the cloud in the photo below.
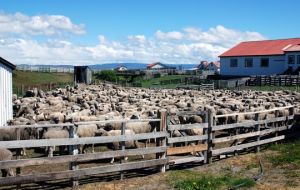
(174, 35)
(189, 45)
(47, 25)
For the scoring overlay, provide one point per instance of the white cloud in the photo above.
(189, 45)
(174, 35)
(37, 25)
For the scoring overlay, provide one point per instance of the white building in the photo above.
(6, 108)
(265, 57)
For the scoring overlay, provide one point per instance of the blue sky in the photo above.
(177, 31)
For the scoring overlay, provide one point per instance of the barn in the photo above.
(265, 57)
(82, 74)
(6, 108)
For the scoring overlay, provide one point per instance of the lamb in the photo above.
(5, 154)
(118, 145)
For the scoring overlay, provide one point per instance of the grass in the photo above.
(155, 82)
(23, 80)
(191, 180)
(288, 153)
(35, 78)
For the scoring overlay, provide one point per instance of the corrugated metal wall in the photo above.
(6, 110)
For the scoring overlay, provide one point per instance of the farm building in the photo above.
(82, 74)
(203, 65)
(6, 108)
(265, 57)
(160, 68)
(121, 68)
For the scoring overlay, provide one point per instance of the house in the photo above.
(160, 68)
(203, 65)
(82, 74)
(6, 107)
(265, 57)
(121, 68)
(214, 66)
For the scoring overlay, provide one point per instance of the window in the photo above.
(298, 59)
(264, 62)
(233, 62)
(248, 62)
(291, 59)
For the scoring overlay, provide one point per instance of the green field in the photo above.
(156, 82)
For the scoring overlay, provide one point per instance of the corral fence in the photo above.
(276, 80)
(216, 137)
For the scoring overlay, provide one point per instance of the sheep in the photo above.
(54, 133)
(118, 145)
(87, 130)
(5, 154)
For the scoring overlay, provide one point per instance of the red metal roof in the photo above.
(265, 47)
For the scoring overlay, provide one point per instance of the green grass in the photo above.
(155, 82)
(23, 80)
(288, 153)
(191, 180)
(34, 78)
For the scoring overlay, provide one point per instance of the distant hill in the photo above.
(108, 66)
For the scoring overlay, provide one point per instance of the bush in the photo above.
(107, 75)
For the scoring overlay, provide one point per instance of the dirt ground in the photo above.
(280, 177)
(247, 165)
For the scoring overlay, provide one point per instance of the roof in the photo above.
(265, 47)
(158, 63)
(7, 63)
(203, 64)
(293, 48)
(216, 63)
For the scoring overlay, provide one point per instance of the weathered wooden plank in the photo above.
(38, 126)
(252, 134)
(77, 141)
(186, 149)
(247, 145)
(80, 157)
(188, 126)
(79, 123)
(262, 111)
(116, 121)
(187, 138)
(186, 160)
(81, 172)
(251, 123)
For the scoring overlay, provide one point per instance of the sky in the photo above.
(82, 32)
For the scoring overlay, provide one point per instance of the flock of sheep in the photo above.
(107, 102)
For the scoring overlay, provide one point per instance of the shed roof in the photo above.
(7, 63)
(265, 47)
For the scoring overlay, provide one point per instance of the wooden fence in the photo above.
(277, 80)
(220, 138)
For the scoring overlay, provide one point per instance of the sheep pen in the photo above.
(99, 103)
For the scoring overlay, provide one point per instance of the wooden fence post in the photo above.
(209, 136)
(257, 128)
(276, 124)
(73, 150)
(18, 153)
(236, 133)
(162, 141)
(122, 147)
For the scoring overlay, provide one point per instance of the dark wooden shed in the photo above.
(82, 74)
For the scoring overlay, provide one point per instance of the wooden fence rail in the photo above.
(167, 150)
